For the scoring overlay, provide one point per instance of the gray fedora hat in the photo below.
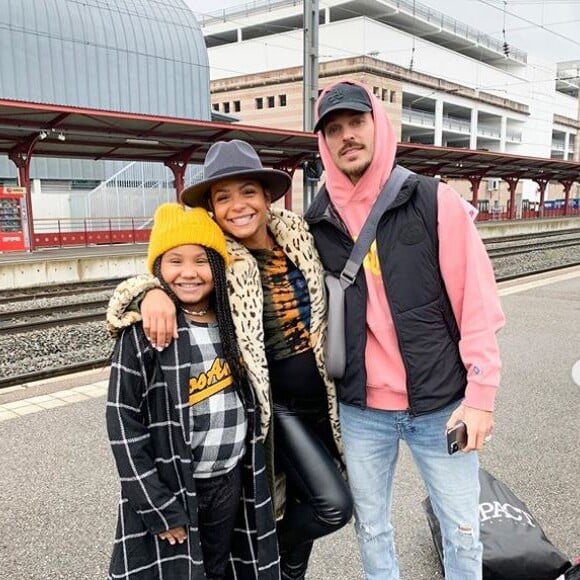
(230, 160)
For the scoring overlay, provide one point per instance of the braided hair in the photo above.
(220, 303)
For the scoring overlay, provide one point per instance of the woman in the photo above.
(278, 306)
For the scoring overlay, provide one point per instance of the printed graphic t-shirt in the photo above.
(217, 416)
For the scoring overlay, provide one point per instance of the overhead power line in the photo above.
(535, 24)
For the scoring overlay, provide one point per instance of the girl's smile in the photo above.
(187, 272)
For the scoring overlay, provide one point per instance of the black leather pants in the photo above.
(318, 499)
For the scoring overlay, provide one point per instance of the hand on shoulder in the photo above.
(159, 318)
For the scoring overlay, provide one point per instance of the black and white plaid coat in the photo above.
(148, 426)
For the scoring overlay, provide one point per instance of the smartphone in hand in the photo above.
(456, 438)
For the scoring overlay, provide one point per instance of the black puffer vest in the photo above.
(407, 247)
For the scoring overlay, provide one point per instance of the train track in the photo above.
(16, 321)
(495, 253)
(502, 240)
(57, 291)
(525, 244)
(28, 320)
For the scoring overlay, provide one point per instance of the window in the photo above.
(282, 100)
(393, 98)
(271, 102)
(237, 106)
(259, 103)
(226, 107)
(376, 91)
(83, 184)
(216, 106)
(385, 95)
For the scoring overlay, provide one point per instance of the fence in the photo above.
(59, 233)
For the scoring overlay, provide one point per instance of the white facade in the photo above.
(267, 36)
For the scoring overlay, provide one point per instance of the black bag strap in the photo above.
(363, 243)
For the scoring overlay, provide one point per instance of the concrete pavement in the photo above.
(59, 487)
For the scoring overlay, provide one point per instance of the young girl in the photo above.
(276, 289)
(182, 424)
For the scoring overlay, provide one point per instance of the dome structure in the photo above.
(140, 56)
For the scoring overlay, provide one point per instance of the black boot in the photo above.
(291, 573)
(294, 562)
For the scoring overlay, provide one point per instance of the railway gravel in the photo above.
(49, 302)
(536, 261)
(53, 348)
(58, 347)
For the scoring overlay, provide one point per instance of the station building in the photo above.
(442, 82)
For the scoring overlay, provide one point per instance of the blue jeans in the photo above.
(371, 442)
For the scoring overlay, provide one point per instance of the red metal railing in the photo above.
(527, 214)
(58, 233)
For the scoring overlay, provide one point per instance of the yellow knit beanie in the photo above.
(174, 225)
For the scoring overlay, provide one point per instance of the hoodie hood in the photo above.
(341, 190)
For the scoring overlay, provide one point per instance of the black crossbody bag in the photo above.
(335, 348)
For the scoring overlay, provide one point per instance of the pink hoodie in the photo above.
(465, 267)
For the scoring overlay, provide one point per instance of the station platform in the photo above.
(60, 488)
(98, 262)
(497, 229)
(75, 264)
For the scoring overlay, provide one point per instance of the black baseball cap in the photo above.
(342, 96)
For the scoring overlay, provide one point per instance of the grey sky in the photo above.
(527, 22)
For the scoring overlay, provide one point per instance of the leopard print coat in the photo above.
(292, 235)
(246, 296)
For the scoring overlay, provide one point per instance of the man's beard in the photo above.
(356, 173)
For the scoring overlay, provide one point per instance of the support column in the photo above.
(503, 134)
(309, 82)
(178, 169)
(289, 169)
(567, 187)
(577, 136)
(542, 184)
(178, 166)
(288, 201)
(473, 130)
(21, 156)
(438, 137)
(512, 185)
(475, 181)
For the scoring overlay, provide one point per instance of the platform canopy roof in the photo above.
(470, 163)
(70, 132)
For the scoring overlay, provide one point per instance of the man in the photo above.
(425, 355)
